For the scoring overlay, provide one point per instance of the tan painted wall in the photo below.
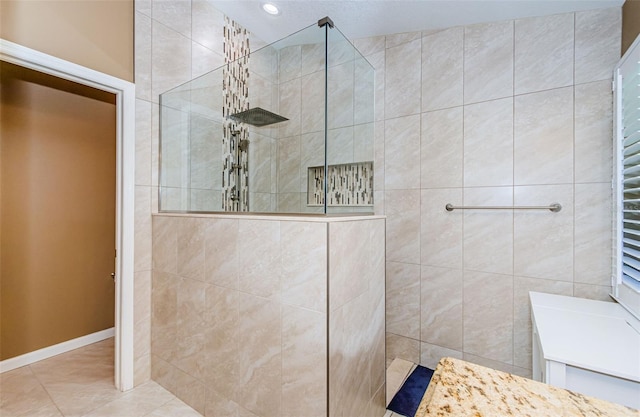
(58, 210)
(630, 23)
(96, 34)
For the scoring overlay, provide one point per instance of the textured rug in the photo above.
(407, 399)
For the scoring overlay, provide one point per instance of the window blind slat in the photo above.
(631, 139)
(631, 262)
(631, 231)
(634, 169)
(631, 160)
(631, 273)
(632, 242)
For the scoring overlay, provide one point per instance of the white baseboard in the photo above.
(44, 353)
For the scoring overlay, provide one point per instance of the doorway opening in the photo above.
(124, 94)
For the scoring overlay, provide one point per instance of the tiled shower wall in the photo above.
(513, 112)
(175, 42)
(350, 127)
(268, 317)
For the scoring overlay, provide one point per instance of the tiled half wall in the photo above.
(262, 317)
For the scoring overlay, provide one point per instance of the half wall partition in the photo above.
(288, 128)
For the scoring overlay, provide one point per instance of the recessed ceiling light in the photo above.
(270, 8)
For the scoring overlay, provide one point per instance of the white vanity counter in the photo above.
(591, 347)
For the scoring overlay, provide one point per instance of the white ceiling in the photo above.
(364, 18)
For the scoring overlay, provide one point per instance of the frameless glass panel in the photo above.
(350, 128)
(252, 135)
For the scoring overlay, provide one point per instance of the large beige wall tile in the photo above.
(403, 225)
(378, 158)
(442, 69)
(190, 390)
(207, 25)
(430, 354)
(203, 60)
(143, 229)
(488, 61)
(289, 164)
(543, 137)
(340, 146)
(260, 355)
(165, 240)
(191, 238)
(304, 264)
(378, 60)
(349, 377)
(205, 156)
(403, 299)
(143, 142)
(403, 348)
(171, 52)
(363, 142)
(543, 241)
(594, 127)
(304, 358)
(488, 315)
(221, 252)
(402, 79)
(402, 153)
(488, 234)
(397, 39)
(290, 105)
(142, 58)
(364, 91)
(593, 222)
(190, 341)
(544, 53)
(522, 313)
(488, 143)
(173, 14)
(347, 274)
(501, 366)
(222, 349)
(441, 148)
(593, 292)
(260, 165)
(289, 62)
(312, 111)
(313, 58)
(440, 230)
(259, 247)
(164, 316)
(598, 38)
(370, 45)
(142, 313)
(441, 307)
(340, 96)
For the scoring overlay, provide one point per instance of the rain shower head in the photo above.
(257, 117)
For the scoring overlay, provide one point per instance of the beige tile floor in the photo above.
(80, 384)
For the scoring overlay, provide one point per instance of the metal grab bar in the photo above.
(554, 207)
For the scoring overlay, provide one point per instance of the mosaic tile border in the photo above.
(235, 94)
(348, 185)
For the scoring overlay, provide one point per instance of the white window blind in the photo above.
(626, 283)
(629, 134)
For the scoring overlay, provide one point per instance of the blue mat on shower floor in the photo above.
(407, 399)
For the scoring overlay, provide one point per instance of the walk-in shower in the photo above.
(288, 128)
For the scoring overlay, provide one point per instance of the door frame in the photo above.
(125, 186)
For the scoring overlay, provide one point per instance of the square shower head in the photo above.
(257, 117)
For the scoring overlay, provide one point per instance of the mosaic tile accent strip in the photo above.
(347, 185)
(235, 93)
